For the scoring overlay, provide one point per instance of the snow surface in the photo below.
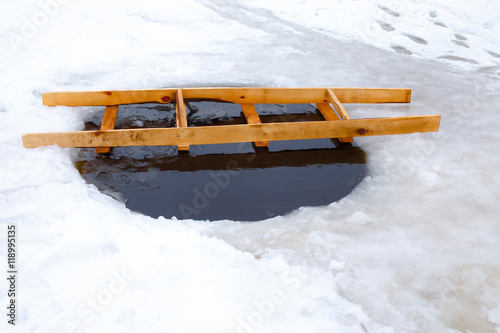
(413, 249)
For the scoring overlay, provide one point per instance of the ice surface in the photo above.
(453, 30)
(413, 249)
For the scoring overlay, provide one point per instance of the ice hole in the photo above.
(228, 181)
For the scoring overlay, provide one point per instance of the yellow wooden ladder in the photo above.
(329, 101)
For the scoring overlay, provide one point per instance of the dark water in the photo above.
(231, 181)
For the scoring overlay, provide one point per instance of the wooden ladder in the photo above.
(329, 101)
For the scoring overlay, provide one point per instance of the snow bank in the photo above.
(458, 32)
(412, 249)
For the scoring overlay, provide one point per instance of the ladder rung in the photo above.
(330, 115)
(332, 98)
(108, 123)
(180, 116)
(253, 118)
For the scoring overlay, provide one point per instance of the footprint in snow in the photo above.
(386, 26)
(461, 43)
(455, 58)
(416, 39)
(401, 50)
(389, 11)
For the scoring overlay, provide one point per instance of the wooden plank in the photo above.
(235, 95)
(108, 123)
(329, 115)
(252, 117)
(327, 111)
(180, 115)
(332, 98)
(236, 133)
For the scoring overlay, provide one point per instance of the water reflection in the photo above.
(231, 181)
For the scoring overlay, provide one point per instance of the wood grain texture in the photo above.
(332, 98)
(108, 123)
(330, 115)
(235, 95)
(180, 115)
(236, 133)
(252, 117)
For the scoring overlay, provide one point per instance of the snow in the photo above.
(414, 248)
(447, 31)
